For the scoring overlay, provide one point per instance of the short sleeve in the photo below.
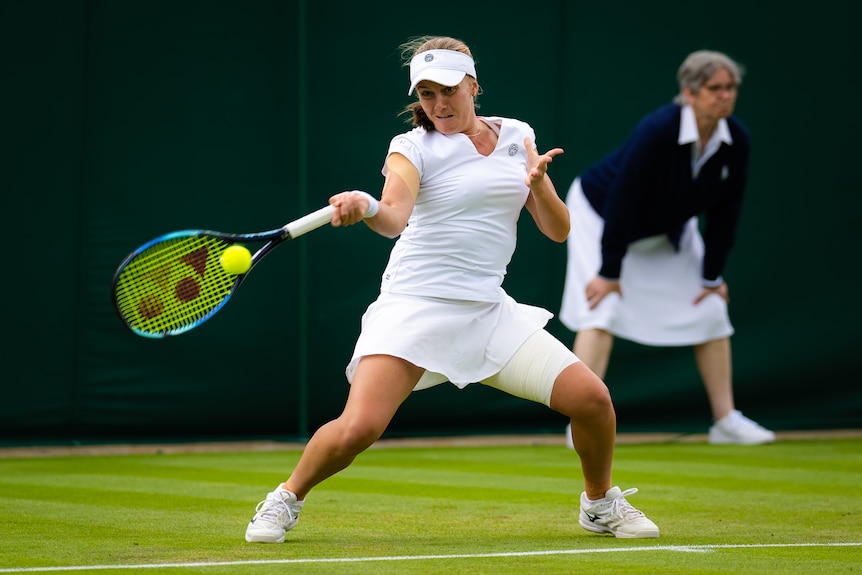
(407, 148)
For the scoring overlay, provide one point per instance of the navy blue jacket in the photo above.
(645, 188)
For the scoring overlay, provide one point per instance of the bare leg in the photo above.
(582, 396)
(594, 347)
(380, 386)
(714, 364)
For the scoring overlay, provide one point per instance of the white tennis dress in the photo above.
(442, 306)
(658, 285)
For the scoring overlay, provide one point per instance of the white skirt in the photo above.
(658, 283)
(462, 342)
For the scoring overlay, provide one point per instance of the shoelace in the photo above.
(272, 509)
(620, 506)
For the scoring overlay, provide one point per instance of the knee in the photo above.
(594, 401)
(597, 399)
(356, 436)
(580, 394)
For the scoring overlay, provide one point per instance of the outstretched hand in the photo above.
(537, 164)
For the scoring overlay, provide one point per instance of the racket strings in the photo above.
(173, 285)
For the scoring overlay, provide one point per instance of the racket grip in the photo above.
(309, 222)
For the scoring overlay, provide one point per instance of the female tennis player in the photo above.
(455, 186)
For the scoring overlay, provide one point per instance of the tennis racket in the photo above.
(175, 282)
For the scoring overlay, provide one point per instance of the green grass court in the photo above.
(789, 508)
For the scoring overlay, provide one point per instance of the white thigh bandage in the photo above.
(534, 368)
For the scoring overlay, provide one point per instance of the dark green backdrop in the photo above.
(122, 120)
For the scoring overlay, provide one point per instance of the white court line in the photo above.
(678, 548)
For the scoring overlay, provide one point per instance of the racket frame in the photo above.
(272, 238)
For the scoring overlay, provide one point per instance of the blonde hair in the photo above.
(417, 116)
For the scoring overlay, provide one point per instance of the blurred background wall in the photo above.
(123, 120)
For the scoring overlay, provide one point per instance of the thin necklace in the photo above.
(479, 131)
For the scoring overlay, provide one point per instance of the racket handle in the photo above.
(309, 222)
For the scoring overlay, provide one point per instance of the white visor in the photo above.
(446, 67)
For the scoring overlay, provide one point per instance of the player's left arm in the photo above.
(548, 210)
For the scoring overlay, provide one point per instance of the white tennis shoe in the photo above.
(736, 428)
(615, 515)
(275, 515)
(733, 428)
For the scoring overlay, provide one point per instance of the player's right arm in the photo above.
(399, 194)
(388, 216)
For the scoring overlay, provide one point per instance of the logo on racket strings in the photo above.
(186, 289)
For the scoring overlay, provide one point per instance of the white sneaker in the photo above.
(275, 515)
(569, 443)
(736, 428)
(614, 514)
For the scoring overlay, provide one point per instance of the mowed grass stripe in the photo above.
(147, 509)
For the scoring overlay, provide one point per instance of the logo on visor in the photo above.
(429, 57)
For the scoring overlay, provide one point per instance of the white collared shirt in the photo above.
(688, 135)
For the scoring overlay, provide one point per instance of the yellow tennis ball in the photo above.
(236, 260)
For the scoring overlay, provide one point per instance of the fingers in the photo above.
(595, 297)
(553, 152)
(598, 289)
(594, 300)
(537, 163)
(720, 291)
(350, 208)
(549, 155)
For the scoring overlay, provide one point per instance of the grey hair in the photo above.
(700, 66)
